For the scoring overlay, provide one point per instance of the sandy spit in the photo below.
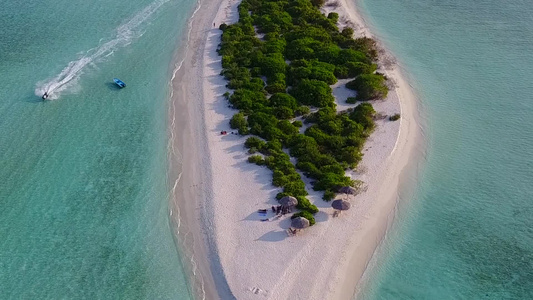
(217, 193)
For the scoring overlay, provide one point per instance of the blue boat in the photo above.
(119, 82)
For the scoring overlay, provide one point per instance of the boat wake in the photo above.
(125, 35)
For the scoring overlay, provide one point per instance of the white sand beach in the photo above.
(233, 253)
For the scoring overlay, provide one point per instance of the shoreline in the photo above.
(400, 161)
(216, 220)
(185, 124)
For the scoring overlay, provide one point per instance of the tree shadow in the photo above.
(285, 223)
(273, 236)
(322, 216)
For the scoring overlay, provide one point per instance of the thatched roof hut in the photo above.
(288, 201)
(341, 204)
(300, 223)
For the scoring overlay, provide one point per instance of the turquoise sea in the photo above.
(83, 178)
(464, 229)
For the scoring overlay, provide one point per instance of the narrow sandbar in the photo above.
(235, 254)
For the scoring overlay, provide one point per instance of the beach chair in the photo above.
(291, 231)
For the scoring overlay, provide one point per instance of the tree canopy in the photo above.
(288, 73)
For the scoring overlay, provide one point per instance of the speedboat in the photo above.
(119, 82)
(45, 95)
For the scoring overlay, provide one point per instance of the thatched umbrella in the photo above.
(288, 201)
(341, 204)
(348, 190)
(300, 223)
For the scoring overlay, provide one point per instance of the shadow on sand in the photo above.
(273, 236)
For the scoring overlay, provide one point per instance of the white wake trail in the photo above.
(125, 34)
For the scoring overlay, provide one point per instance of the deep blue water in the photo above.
(466, 230)
(83, 178)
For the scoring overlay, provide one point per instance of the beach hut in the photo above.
(340, 205)
(288, 201)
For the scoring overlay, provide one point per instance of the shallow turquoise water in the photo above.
(83, 189)
(467, 233)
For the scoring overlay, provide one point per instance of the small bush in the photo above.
(309, 169)
(305, 214)
(302, 111)
(347, 32)
(363, 114)
(351, 100)
(394, 117)
(341, 72)
(252, 150)
(256, 159)
(238, 121)
(277, 87)
(333, 16)
(287, 127)
(295, 187)
(297, 124)
(283, 113)
(254, 142)
(223, 26)
(328, 195)
(274, 146)
(330, 181)
(369, 87)
(279, 179)
(304, 204)
(318, 3)
(281, 195)
(313, 92)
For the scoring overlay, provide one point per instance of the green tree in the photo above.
(333, 16)
(287, 128)
(273, 63)
(238, 121)
(276, 87)
(247, 100)
(302, 110)
(313, 92)
(256, 159)
(363, 114)
(255, 142)
(284, 113)
(369, 87)
(283, 99)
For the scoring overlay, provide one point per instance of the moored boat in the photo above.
(119, 82)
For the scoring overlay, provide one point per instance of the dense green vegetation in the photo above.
(287, 74)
